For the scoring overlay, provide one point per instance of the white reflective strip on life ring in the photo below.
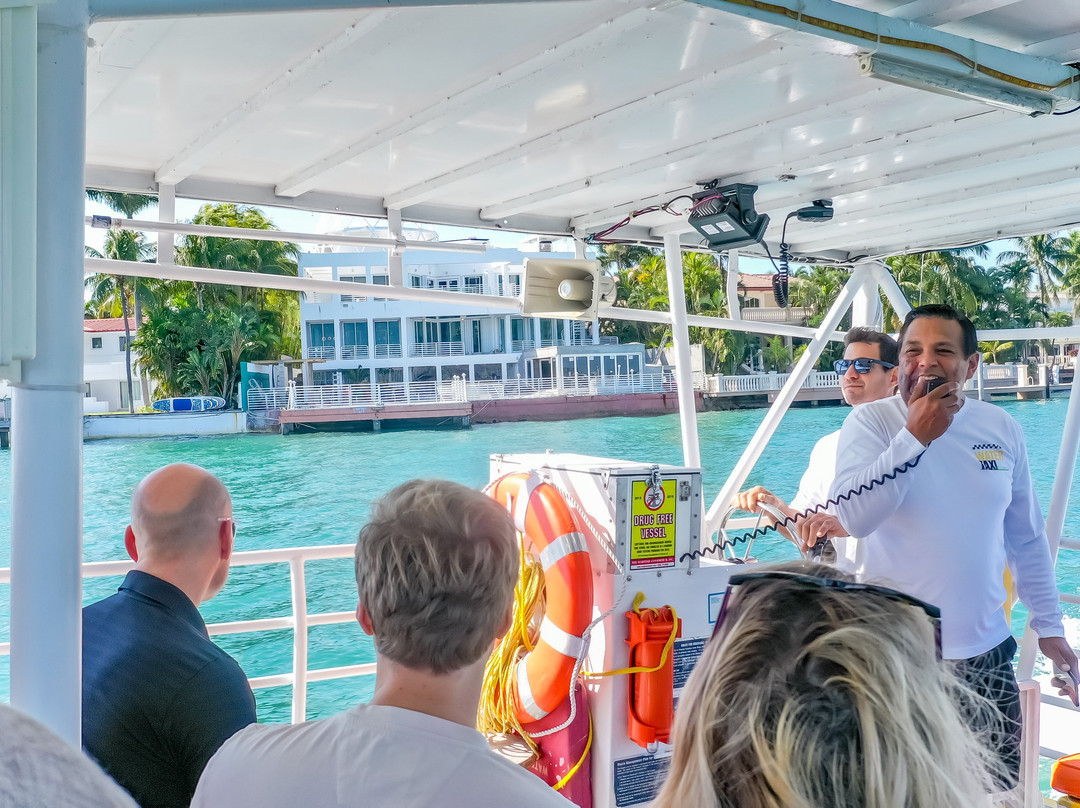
(525, 695)
(521, 501)
(566, 544)
(566, 644)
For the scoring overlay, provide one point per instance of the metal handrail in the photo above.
(300, 620)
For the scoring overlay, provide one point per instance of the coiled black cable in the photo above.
(724, 544)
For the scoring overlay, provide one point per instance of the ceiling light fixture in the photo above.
(984, 90)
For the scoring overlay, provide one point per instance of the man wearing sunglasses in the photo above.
(158, 696)
(867, 373)
(944, 530)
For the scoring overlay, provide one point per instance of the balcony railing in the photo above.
(792, 314)
(388, 351)
(438, 349)
(320, 352)
(354, 351)
(519, 345)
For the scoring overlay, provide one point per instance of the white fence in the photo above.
(299, 621)
(767, 382)
(459, 389)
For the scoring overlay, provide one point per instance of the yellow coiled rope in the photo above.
(496, 713)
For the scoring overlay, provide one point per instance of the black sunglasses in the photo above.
(932, 611)
(862, 365)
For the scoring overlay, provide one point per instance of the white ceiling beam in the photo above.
(146, 9)
(794, 112)
(936, 50)
(120, 52)
(1059, 47)
(763, 174)
(224, 132)
(398, 242)
(934, 222)
(584, 34)
(687, 84)
(931, 13)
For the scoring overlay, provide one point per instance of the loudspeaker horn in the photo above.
(572, 288)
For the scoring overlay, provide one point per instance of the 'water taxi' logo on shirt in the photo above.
(990, 456)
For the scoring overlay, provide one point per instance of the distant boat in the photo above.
(189, 404)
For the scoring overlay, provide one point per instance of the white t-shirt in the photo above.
(943, 530)
(372, 756)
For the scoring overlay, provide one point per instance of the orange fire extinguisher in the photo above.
(651, 637)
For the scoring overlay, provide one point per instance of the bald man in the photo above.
(159, 697)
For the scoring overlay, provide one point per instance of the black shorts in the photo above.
(991, 675)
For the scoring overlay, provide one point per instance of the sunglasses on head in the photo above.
(852, 587)
(861, 364)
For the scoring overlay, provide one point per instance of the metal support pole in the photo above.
(166, 241)
(734, 312)
(892, 291)
(46, 457)
(298, 588)
(783, 400)
(866, 308)
(394, 265)
(1055, 516)
(680, 338)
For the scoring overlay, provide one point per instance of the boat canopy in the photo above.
(566, 117)
(924, 124)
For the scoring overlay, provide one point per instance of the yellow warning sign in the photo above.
(652, 526)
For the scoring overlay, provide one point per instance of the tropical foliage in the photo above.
(1016, 290)
(193, 338)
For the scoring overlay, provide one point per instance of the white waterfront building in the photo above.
(359, 340)
(104, 369)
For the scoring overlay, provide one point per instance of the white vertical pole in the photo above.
(892, 291)
(680, 337)
(866, 308)
(300, 640)
(1055, 516)
(734, 312)
(783, 400)
(394, 265)
(166, 242)
(46, 457)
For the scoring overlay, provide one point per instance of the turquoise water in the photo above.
(316, 489)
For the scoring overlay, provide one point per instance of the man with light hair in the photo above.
(159, 697)
(867, 373)
(435, 570)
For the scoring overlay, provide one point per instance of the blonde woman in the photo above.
(818, 692)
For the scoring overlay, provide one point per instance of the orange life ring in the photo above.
(539, 511)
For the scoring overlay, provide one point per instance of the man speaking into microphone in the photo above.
(944, 530)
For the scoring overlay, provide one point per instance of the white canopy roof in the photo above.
(565, 116)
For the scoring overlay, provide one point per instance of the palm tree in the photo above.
(933, 277)
(238, 254)
(129, 205)
(1043, 260)
(112, 291)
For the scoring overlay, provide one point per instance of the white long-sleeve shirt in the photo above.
(814, 491)
(944, 530)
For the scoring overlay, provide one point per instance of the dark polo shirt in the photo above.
(158, 697)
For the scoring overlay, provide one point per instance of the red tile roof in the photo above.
(109, 324)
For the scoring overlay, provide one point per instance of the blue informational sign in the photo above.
(638, 779)
(684, 657)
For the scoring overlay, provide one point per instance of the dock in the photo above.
(452, 414)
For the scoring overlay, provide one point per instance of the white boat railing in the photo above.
(299, 620)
